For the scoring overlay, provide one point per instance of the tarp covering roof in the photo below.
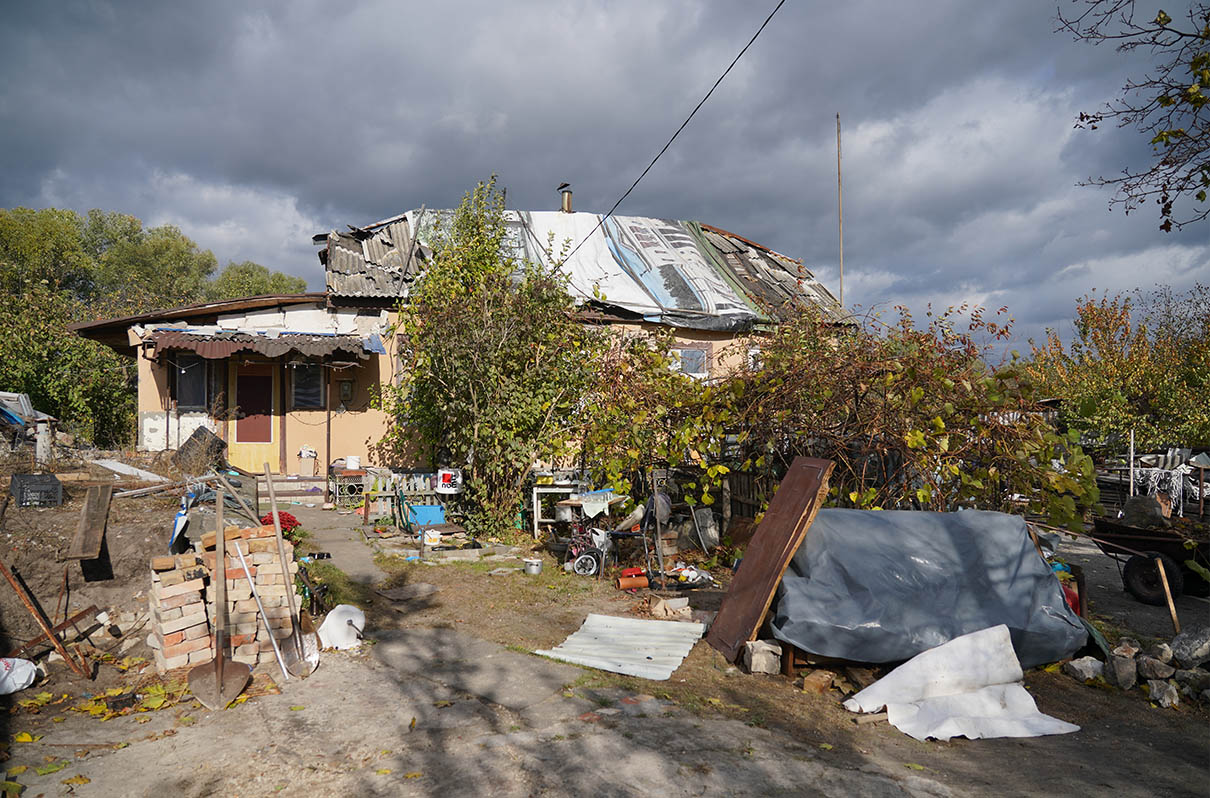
(216, 346)
(660, 270)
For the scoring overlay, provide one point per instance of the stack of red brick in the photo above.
(183, 594)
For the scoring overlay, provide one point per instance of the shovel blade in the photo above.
(300, 649)
(213, 695)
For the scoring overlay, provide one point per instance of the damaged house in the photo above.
(271, 375)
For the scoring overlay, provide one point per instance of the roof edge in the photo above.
(201, 309)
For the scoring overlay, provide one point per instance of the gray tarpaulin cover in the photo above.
(883, 586)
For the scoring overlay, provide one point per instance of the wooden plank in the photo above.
(773, 545)
(93, 518)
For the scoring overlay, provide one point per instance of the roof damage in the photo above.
(679, 273)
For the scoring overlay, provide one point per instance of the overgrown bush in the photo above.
(493, 364)
(913, 418)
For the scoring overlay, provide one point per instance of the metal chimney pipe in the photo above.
(566, 200)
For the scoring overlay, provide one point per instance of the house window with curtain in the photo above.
(308, 386)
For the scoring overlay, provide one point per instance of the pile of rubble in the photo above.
(182, 600)
(1167, 671)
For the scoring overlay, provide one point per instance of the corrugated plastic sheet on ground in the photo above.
(633, 646)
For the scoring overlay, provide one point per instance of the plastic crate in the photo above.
(36, 490)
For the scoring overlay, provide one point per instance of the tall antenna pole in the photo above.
(840, 209)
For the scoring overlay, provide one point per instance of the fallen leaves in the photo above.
(53, 767)
(77, 779)
(16, 770)
(415, 774)
(26, 737)
(297, 708)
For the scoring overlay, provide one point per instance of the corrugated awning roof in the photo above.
(226, 344)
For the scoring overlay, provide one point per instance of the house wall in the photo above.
(160, 427)
(725, 351)
(356, 429)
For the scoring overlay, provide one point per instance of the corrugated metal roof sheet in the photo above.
(633, 646)
(662, 270)
(223, 345)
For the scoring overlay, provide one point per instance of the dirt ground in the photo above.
(446, 699)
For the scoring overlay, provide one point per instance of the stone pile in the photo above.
(182, 600)
(1168, 672)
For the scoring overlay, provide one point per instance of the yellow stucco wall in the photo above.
(355, 431)
(357, 428)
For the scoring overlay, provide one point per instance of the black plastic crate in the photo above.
(36, 490)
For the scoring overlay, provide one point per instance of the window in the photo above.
(693, 362)
(308, 386)
(190, 381)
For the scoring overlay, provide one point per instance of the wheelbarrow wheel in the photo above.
(1142, 578)
(587, 564)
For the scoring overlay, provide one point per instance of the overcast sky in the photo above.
(252, 126)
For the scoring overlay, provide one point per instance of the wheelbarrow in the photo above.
(1136, 550)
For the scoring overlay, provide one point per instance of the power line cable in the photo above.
(679, 129)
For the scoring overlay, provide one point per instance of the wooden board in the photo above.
(91, 531)
(773, 545)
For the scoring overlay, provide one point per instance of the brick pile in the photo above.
(183, 595)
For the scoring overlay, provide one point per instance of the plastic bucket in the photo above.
(432, 537)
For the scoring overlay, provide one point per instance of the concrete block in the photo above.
(762, 656)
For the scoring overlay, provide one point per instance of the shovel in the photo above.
(301, 648)
(218, 682)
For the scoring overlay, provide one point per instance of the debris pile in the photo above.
(183, 595)
(1165, 671)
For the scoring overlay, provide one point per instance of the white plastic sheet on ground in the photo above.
(16, 674)
(969, 687)
(633, 646)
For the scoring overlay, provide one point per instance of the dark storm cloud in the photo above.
(252, 126)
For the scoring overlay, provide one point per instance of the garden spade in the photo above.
(301, 648)
(218, 682)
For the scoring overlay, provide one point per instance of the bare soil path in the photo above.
(445, 701)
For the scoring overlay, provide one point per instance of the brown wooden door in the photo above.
(254, 393)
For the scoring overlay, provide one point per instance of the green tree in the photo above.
(1136, 362)
(44, 245)
(157, 268)
(56, 268)
(252, 279)
(89, 387)
(1167, 104)
(494, 365)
